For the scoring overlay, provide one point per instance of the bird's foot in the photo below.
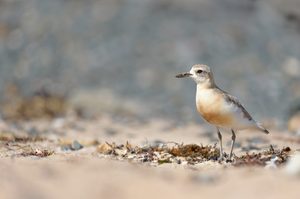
(225, 158)
(221, 158)
(230, 158)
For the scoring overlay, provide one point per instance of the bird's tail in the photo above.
(261, 128)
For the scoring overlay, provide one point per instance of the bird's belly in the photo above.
(217, 118)
(215, 109)
(215, 112)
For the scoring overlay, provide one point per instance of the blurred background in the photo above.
(120, 57)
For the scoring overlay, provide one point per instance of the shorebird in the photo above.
(219, 108)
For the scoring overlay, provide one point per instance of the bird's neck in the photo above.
(204, 91)
(206, 85)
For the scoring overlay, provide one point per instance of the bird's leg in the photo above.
(221, 146)
(232, 143)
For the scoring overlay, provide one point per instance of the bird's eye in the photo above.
(199, 71)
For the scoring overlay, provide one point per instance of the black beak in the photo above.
(182, 75)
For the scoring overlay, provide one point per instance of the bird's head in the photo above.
(201, 74)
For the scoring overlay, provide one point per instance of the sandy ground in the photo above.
(27, 171)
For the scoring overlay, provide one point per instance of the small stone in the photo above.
(105, 148)
(157, 155)
(132, 156)
(76, 145)
(272, 163)
(121, 152)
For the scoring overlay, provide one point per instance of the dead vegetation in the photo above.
(37, 152)
(189, 154)
(194, 151)
(279, 156)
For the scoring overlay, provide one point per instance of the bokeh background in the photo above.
(120, 57)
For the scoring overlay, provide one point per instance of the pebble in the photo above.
(132, 156)
(272, 163)
(76, 145)
(105, 148)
